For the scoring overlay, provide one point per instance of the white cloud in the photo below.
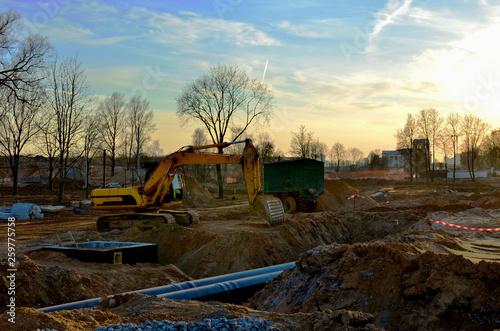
(187, 13)
(62, 30)
(169, 29)
(301, 30)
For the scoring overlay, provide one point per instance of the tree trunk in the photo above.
(219, 176)
(454, 163)
(62, 170)
(51, 173)
(411, 165)
(15, 177)
(112, 162)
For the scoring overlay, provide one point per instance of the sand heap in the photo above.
(336, 197)
(403, 286)
(195, 195)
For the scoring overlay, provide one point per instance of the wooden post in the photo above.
(353, 208)
(353, 211)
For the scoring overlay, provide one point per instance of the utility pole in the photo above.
(104, 169)
(86, 186)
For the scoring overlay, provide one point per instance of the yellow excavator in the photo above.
(164, 189)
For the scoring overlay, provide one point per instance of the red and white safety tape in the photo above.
(463, 227)
(439, 222)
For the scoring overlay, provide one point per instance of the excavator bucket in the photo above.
(271, 208)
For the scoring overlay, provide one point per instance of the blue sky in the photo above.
(348, 70)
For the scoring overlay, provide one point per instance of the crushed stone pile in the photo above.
(249, 324)
(401, 284)
(138, 309)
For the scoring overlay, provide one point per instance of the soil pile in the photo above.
(400, 284)
(244, 250)
(39, 285)
(195, 195)
(335, 197)
(136, 308)
(173, 241)
(202, 254)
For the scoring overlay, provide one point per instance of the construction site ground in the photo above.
(363, 263)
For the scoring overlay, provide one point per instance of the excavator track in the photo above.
(146, 221)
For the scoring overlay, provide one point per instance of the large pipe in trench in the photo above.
(194, 289)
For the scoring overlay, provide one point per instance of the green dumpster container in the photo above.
(298, 183)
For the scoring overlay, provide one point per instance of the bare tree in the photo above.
(474, 130)
(46, 144)
(19, 119)
(22, 56)
(154, 149)
(69, 101)
(199, 137)
(404, 140)
(355, 155)
(305, 145)
(266, 148)
(452, 131)
(199, 171)
(319, 150)
(112, 115)
(338, 153)
(492, 148)
(92, 132)
(429, 124)
(225, 98)
(301, 142)
(141, 125)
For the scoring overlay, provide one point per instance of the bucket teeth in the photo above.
(274, 210)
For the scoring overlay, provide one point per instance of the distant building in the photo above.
(395, 159)
(449, 160)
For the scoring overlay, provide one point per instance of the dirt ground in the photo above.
(377, 260)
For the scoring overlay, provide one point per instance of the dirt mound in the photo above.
(401, 286)
(246, 250)
(173, 241)
(138, 309)
(196, 195)
(490, 203)
(40, 285)
(335, 197)
(202, 254)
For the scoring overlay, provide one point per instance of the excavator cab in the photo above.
(176, 190)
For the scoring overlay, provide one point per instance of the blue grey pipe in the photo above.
(223, 281)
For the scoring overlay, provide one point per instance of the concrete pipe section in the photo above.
(211, 288)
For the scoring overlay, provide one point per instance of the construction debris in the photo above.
(21, 211)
